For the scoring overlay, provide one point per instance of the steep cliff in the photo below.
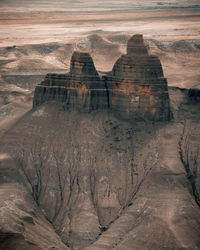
(135, 88)
(139, 87)
(81, 89)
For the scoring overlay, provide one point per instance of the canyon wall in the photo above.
(135, 88)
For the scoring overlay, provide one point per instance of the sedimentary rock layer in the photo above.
(135, 88)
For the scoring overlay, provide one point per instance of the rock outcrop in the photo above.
(194, 95)
(135, 88)
(81, 89)
(139, 87)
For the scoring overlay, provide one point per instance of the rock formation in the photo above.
(81, 89)
(139, 87)
(194, 95)
(135, 88)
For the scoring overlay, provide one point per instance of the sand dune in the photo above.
(20, 51)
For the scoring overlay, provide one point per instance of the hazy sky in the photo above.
(92, 5)
(62, 20)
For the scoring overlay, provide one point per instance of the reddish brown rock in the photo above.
(136, 87)
(139, 87)
(83, 69)
(81, 89)
(90, 91)
(136, 46)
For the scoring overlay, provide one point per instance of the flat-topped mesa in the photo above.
(136, 87)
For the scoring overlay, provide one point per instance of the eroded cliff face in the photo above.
(80, 89)
(139, 87)
(135, 88)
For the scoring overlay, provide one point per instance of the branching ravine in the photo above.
(139, 218)
(54, 165)
(135, 192)
(189, 161)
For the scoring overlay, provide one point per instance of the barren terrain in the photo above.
(125, 184)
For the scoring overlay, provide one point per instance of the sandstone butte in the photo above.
(135, 88)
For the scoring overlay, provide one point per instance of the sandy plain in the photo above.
(19, 28)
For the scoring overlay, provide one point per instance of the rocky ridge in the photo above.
(135, 88)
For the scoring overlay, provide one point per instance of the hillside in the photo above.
(105, 182)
